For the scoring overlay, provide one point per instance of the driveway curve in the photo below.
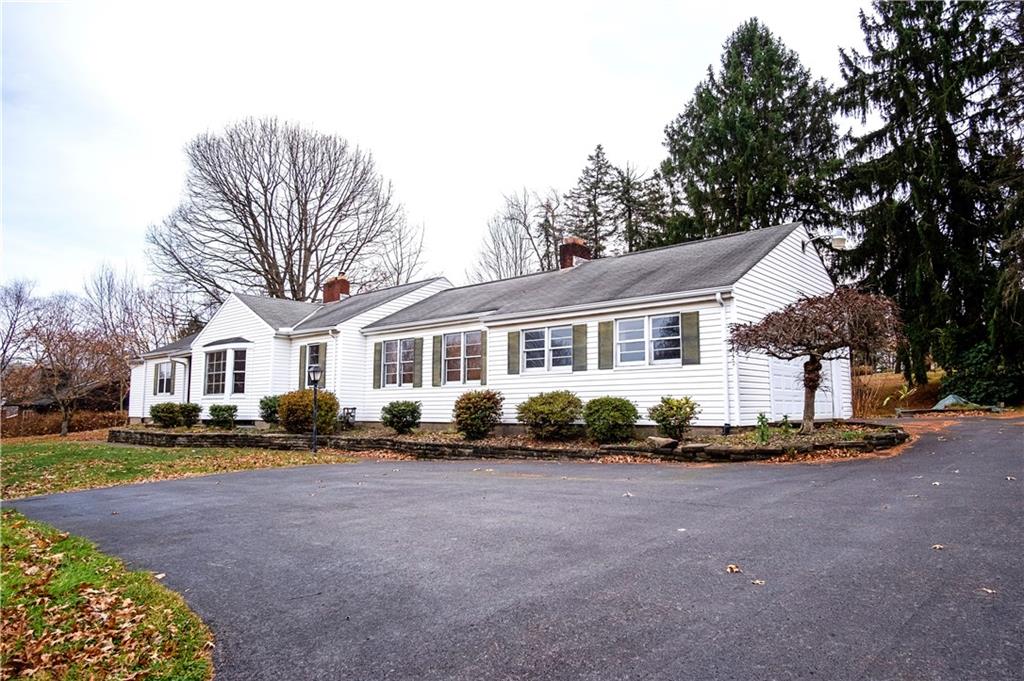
(486, 570)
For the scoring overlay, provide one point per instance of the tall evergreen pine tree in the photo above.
(756, 146)
(920, 183)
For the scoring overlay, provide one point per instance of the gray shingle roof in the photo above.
(332, 314)
(278, 312)
(180, 344)
(709, 263)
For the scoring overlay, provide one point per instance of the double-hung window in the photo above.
(648, 340)
(399, 359)
(238, 372)
(216, 372)
(549, 348)
(312, 357)
(463, 357)
(165, 378)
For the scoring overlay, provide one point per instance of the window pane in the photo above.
(631, 329)
(535, 359)
(473, 343)
(238, 379)
(665, 327)
(407, 374)
(631, 352)
(533, 339)
(391, 351)
(452, 371)
(473, 365)
(561, 337)
(312, 354)
(408, 350)
(453, 345)
(561, 357)
(390, 374)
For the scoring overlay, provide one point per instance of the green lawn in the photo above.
(43, 466)
(70, 612)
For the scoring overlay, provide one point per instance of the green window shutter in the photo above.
(302, 367)
(579, 347)
(690, 325)
(435, 361)
(156, 376)
(513, 352)
(323, 366)
(605, 345)
(171, 386)
(376, 363)
(483, 358)
(417, 363)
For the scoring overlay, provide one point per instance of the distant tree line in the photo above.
(926, 180)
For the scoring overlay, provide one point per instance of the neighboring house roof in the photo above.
(335, 313)
(718, 262)
(169, 349)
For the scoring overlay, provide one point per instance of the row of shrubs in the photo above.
(552, 415)
(294, 411)
(28, 423)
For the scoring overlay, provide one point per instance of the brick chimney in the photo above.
(336, 288)
(572, 248)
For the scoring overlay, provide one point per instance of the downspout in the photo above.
(725, 366)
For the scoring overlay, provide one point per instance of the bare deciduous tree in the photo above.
(822, 328)
(71, 357)
(16, 304)
(506, 252)
(273, 208)
(401, 258)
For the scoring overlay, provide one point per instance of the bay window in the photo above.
(216, 372)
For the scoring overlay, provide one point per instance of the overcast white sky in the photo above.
(460, 103)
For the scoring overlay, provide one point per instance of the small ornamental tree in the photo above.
(822, 328)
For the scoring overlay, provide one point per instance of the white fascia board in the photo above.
(608, 306)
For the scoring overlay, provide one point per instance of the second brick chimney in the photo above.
(572, 248)
(336, 288)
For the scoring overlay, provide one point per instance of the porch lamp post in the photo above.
(313, 376)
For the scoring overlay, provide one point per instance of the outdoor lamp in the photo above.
(314, 375)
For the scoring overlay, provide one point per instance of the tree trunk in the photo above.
(65, 421)
(812, 380)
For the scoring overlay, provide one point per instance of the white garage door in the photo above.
(788, 390)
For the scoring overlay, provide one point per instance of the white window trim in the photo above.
(206, 373)
(167, 381)
(305, 369)
(245, 371)
(398, 364)
(648, 341)
(548, 366)
(462, 358)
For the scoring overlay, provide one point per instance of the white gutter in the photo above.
(526, 316)
(726, 413)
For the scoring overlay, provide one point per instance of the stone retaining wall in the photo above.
(687, 451)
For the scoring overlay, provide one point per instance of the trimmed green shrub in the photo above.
(401, 415)
(551, 415)
(610, 419)
(166, 414)
(295, 410)
(477, 412)
(223, 415)
(673, 415)
(189, 413)
(268, 408)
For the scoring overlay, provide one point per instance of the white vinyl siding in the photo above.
(782, 277)
(643, 384)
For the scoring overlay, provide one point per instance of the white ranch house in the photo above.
(638, 326)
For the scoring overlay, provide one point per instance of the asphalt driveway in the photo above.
(486, 570)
